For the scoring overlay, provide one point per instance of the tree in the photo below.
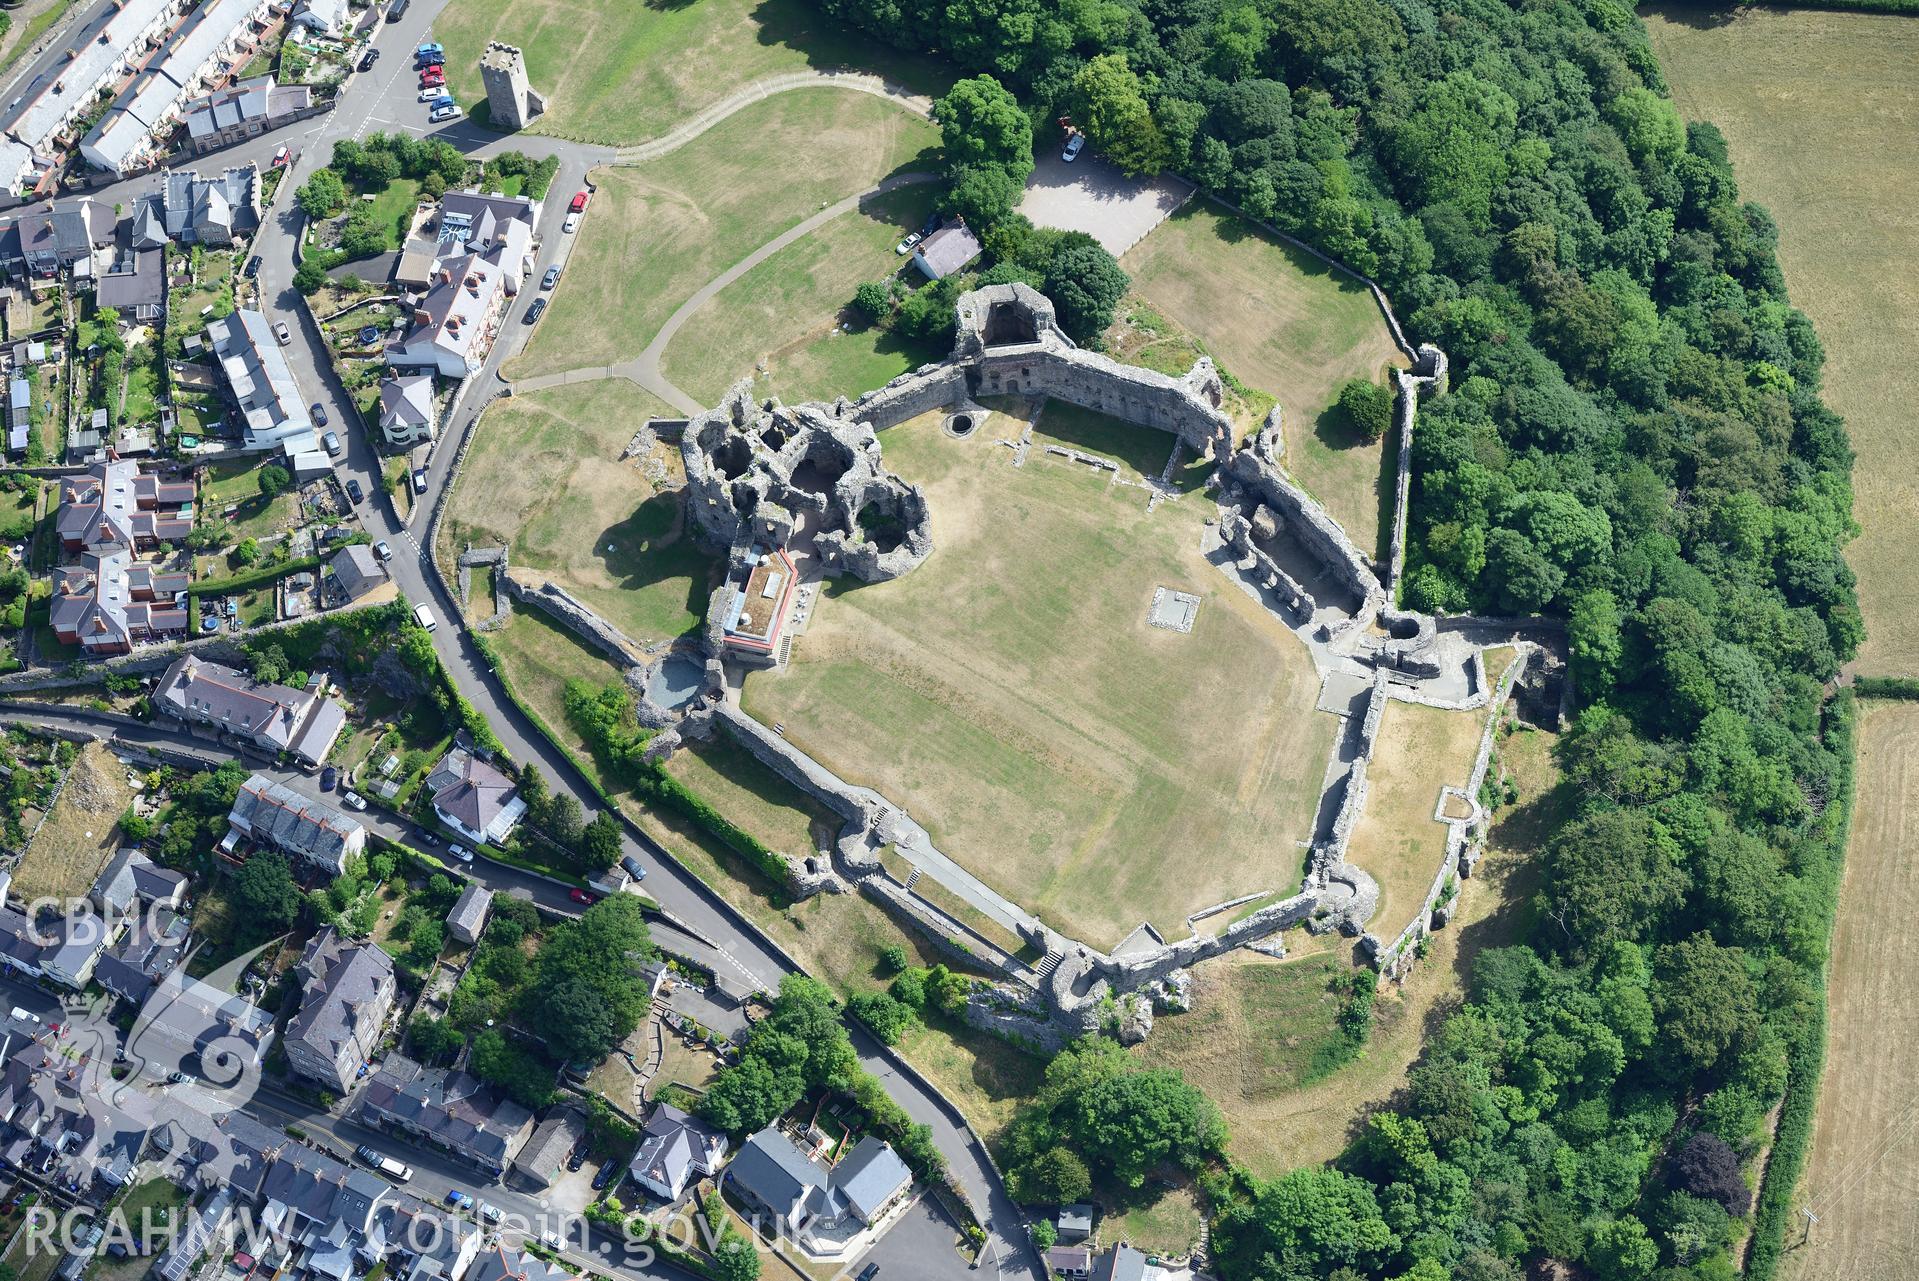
(981, 123)
(265, 893)
(982, 195)
(565, 820)
(1307, 1222)
(274, 480)
(512, 1068)
(1055, 1176)
(893, 958)
(269, 664)
(887, 1017)
(600, 841)
(247, 551)
(1110, 104)
(1367, 406)
(1707, 1167)
(1612, 875)
(309, 278)
(872, 300)
(322, 195)
(1085, 283)
(1705, 1002)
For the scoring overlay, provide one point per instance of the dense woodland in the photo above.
(1634, 440)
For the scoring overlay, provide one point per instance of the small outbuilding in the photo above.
(467, 921)
(946, 251)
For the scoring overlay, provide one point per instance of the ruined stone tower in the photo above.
(509, 97)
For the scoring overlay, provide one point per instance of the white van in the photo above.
(424, 617)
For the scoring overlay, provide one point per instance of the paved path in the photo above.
(739, 100)
(644, 369)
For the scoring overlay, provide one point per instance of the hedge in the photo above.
(1887, 686)
(1807, 1055)
(656, 783)
(248, 579)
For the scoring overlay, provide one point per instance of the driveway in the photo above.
(1093, 196)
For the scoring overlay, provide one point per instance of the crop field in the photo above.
(616, 73)
(1257, 1027)
(1862, 1175)
(544, 477)
(1836, 170)
(788, 312)
(1418, 751)
(1284, 323)
(1011, 695)
(81, 831)
(663, 229)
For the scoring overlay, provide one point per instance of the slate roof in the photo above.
(146, 953)
(773, 1170)
(407, 401)
(468, 789)
(870, 1176)
(1121, 1263)
(342, 981)
(138, 282)
(948, 249)
(239, 1152)
(257, 372)
(184, 1017)
(469, 911)
(358, 569)
(551, 1142)
(502, 1264)
(289, 821)
(131, 877)
(456, 1109)
(674, 1147)
(195, 689)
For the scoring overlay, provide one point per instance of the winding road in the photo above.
(711, 926)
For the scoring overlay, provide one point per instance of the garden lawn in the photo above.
(237, 485)
(393, 209)
(624, 73)
(659, 231)
(544, 476)
(1418, 751)
(787, 314)
(1010, 694)
(1286, 324)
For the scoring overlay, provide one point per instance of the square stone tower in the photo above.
(509, 97)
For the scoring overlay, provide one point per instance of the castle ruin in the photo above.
(510, 99)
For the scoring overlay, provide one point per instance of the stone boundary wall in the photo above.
(1256, 466)
(574, 615)
(1464, 838)
(1143, 397)
(934, 386)
(947, 933)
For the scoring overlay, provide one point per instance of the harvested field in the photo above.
(1043, 732)
(1256, 1024)
(665, 228)
(544, 476)
(615, 73)
(1862, 1175)
(1284, 323)
(1419, 750)
(80, 834)
(786, 314)
(1836, 170)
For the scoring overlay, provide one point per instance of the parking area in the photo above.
(1093, 196)
(924, 1243)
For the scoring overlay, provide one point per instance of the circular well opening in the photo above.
(961, 425)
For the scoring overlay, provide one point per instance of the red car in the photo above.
(432, 76)
(581, 896)
(579, 203)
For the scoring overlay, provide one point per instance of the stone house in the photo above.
(542, 1158)
(675, 1149)
(278, 816)
(466, 921)
(473, 1121)
(273, 718)
(473, 797)
(347, 992)
(407, 414)
(131, 879)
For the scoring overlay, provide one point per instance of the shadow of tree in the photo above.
(1700, 17)
(647, 548)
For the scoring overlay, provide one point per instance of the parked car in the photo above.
(534, 312)
(582, 897)
(331, 442)
(368, 59)
(552, 1240)
(396, 10)
(906, 245)
(1074, 145)
(419, 480)
(429, 46)
(605, 1176)
(423, 615)
(870, 1271)
(329, 777)
(460, 852)
(576, 1158)
(634, 868)
(447, 112)
(320, 414)
(572, 223)
(383, 549)
(459, 1200)
(253, 266)
(551, 278)
(429, 58)
(433, 78)
(444, 100)
(491, 1213)
(579, 202)
(281, 332)
(433, 92)
(353, 801)
(353, 490)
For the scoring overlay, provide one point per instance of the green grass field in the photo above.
(625, 73)
(787, 314)
(665, 228)
(1286, 324)
(1010, 694)
(544, 476)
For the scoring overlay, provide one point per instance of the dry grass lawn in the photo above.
(1418, 751)
(544, 476)
(1284, 323)
(786, 314)
(1010, 694)
(80, 834)
(1862, 1177)
(625, 73)
(1248, 1049)
(750, 794)
(665, 228)
(538, 657)
(1836, 170)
